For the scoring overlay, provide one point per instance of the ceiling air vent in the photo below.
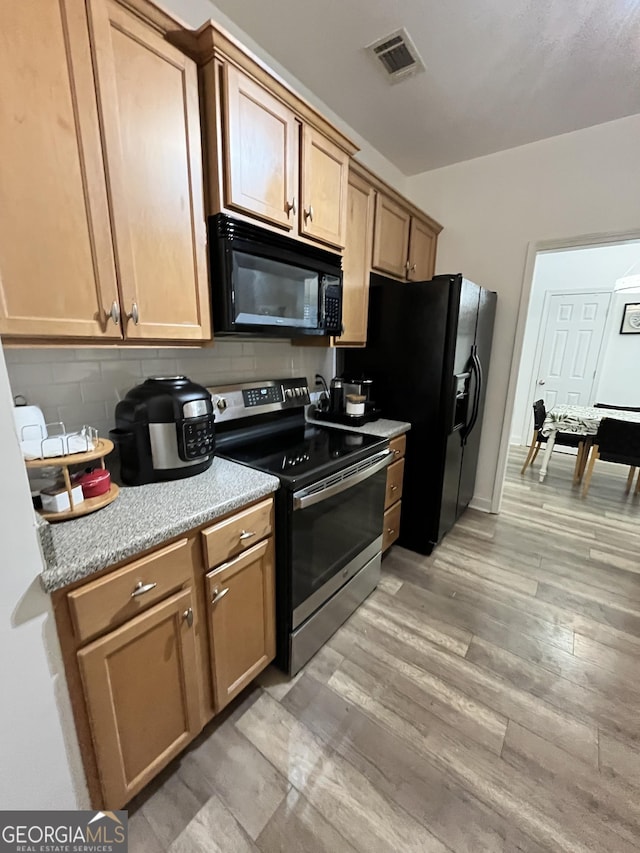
(397, 54)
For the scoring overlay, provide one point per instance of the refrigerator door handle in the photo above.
(476, 367)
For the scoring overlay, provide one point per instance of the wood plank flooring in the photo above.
(485, 698)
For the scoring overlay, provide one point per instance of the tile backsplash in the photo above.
(82, 386)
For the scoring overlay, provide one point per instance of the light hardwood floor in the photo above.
(486, 698)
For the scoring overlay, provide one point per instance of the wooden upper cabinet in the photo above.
(148, 97)
(391, 237)
(57, 274)
(422, 251)
(260, 151)
(323, 197)
(241, 620)
(356, 262)
(142, 692)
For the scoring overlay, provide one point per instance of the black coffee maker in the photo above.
(164, 431)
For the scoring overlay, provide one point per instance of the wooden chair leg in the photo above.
(632, 473)
(537, 450)
(530, 455)
(585, 456)
(637, 491)
(578, 466)
(595, 455)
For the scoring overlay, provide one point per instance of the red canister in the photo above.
(95, 483)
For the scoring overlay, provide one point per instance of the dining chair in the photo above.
(563, 439)
(618, 442)
(619, 408)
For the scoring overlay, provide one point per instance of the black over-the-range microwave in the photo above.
(268, 284)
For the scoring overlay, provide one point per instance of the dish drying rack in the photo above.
(96, 448)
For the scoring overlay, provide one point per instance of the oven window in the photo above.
(268, 292)
(331, 533)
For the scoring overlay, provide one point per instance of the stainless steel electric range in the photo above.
(329, 508)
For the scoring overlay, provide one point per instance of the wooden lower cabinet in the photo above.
(141, 685)
(391, 529)
(393, 495)
(241, 620)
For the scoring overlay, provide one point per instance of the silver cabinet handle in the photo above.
(135, 313)
(114, 314)
(246, 534)
(218, 594)
(394, 488)
(410, 267)
(308, 214)
(141, 588)
(188, 616)
(291, 207)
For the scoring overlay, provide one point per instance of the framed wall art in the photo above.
(631, 319)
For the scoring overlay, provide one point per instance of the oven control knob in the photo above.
(221, 403)
(289, 392)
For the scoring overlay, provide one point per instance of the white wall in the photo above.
(494, 207)
(36, 751)
(618, 380)
(584, 269)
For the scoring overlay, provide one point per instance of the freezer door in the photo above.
(471, 450)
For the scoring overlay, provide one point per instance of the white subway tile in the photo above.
(99, 391)
(82, 413)
(159, 367)
(98, 354)
(55, 394)
(78, 371)
(23, 376)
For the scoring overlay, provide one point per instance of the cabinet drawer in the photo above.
(398, 446)
(395, 473)
(115, 598)
(236, 534)
(391, 528)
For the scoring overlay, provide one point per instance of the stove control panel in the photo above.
(255, 398)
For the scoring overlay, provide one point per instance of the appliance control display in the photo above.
(198, 437)
(262, 396)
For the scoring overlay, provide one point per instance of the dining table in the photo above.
(577, 420)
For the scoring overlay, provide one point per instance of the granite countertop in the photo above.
(383, 427)
(144, 516)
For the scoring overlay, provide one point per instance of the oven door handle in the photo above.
(317, 493)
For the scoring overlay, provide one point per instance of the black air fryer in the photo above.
(164, 431)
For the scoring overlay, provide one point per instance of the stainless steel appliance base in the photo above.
(315, 632)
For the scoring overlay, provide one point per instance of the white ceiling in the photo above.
(500, 73)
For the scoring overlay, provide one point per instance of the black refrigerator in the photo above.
(428, 350)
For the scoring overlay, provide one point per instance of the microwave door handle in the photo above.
(306, 498)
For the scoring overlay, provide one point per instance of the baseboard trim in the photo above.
(481, 504)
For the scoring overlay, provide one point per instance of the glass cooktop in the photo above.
(303, 452)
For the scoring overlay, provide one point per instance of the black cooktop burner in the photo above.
(303, 453)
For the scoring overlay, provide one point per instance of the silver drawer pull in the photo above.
(218, 594)
(394, 488)
(188, 616)
(141, 588)
(246, 534)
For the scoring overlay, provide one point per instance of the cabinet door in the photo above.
(261, 151)
(325, 173)
(391, 237)
(142, 693)
(241, 620)
(422, 251)
(57, 273)
(148, 93)
(356, 262)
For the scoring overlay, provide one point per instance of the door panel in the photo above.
(241, 603)
(356, 262)
(142, 693)
(422, 251)
(57, 272)
(325, 169)
(391, 237)
(571, 339)
(152, 140)
(261, 151)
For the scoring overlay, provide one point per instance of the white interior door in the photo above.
(571, 341)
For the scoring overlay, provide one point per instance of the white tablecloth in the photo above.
(582, 420)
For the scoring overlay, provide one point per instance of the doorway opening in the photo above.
(569, 348)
